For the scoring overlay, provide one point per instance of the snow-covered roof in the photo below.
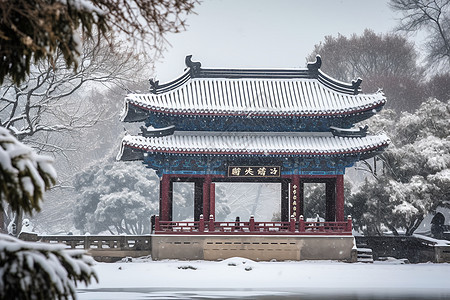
(260, 92)
(229, 143)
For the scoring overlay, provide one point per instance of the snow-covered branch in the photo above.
(40, 103)
(24, 175)
(27, 267)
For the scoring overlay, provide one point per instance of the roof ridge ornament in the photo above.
(154, 85)
(157, 132)
(352, 132)
(194, 66)
(315, 66)
(356, 85)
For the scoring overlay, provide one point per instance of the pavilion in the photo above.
(289, 126)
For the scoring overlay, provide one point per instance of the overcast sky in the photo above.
(267, 33)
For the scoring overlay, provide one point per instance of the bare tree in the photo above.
(386, 61)
(434, 17)
(37, 30)
(38, 107)
(439, 86)
(52, 105)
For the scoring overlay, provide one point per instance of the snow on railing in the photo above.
(117, 242)
(292, 227)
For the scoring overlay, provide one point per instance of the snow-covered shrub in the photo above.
(41, 271)
(118, 197)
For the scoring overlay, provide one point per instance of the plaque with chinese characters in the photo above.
(254, 171)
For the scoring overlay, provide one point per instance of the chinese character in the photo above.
(262, 171)
(249, 171)
(236, 171)
(273, 171)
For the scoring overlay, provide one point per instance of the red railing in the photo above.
(292, 227)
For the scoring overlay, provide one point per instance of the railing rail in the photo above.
(292, 227)
(113, 242)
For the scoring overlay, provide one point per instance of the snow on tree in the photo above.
(118, 197)
(41, 271)
(37, 30)
(33, 270)
(314, 198)
(128, 211)
(45, 112)
(48, 100)
(416, 172)
(183, 201)
(24, 175)
(223, 209)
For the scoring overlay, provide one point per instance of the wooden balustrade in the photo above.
(292, 227)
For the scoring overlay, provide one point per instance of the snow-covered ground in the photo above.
(239, 278)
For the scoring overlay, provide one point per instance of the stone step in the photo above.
(364, 255)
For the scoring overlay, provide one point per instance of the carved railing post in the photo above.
(349, 224)
(157, 227)
(201, 224)
(301, 224)
(292, 224)
(251, 224)
(211, 226)
(87, 242)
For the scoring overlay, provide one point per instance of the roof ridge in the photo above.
(312, 71)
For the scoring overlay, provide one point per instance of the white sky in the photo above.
(267, 33)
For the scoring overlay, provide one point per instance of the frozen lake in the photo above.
(239, 278)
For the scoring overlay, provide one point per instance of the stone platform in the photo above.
(255, 247)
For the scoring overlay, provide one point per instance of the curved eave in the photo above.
(252, 93)
(133, 113)
(130, 153)
(365, 147)
(139, 112)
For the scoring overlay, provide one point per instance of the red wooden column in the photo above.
(340, 198)
(206, 195)
(285, 200)
(198, 198)
(165, 202)
(330, 199)
(301, 199)
(296, 198)
(212, 200)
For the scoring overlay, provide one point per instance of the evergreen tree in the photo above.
(24, 175)
(34, 31)
(33, 270)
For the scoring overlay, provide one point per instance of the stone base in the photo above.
(113, 255)
(257, 247)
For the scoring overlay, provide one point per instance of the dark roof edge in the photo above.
(131, 152)
(194, 70)
(127, 153)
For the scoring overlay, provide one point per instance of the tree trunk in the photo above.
(414, 225)
(392, 228)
